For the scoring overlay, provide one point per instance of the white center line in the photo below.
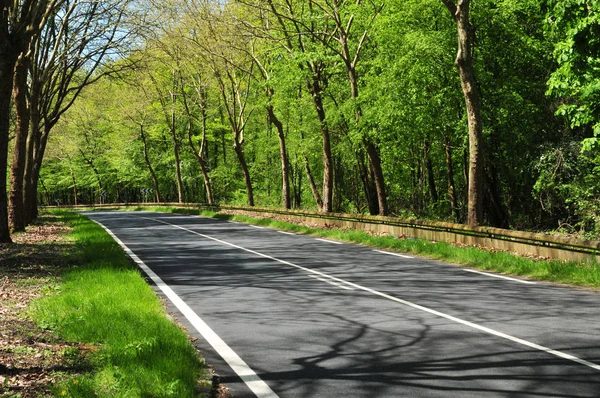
(329, 241)
(331, 282)
(499, 276)
(407, 303)
(252, 380)
(393, 254)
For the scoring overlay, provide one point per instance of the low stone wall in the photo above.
(525, 243)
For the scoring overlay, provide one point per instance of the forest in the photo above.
(470, 111)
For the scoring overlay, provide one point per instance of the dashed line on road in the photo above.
(499, 276)
(252, 380)
(331, 282)
(329, 241)
(407, 303)
(392, 254)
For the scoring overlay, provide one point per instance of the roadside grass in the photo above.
(585, 274)
(104, 302)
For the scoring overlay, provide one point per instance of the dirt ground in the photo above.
(31, 358)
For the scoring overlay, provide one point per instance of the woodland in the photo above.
(470, 111)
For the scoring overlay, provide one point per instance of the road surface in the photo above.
(285, 315)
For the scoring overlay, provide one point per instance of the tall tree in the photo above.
(460, 10)
(200, 152)
(77, 47)
(20, 22)
(350, 37)
(297, 38)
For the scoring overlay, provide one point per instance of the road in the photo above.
(288, 315)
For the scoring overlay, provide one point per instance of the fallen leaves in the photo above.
(31, 359)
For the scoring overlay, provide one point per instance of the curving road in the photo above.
(287, 315)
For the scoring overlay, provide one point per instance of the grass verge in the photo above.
(585, 274)
(104, 302)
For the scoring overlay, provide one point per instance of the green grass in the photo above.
(105, 302)
(585, 274)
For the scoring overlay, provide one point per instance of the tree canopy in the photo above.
(479, 112)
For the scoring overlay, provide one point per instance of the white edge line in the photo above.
(329, 241)
(393, 254)
(256, 226)
(499, 276)
(252, 380)
(287, 233)
(493, 332)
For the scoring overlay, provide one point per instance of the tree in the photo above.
(459, 11)
(572, 175)
(77, 48)
(576, 26)
(214, 36)
(20, 22)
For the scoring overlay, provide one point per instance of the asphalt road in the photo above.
(296, 316)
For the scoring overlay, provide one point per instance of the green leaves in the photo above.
(576, 26)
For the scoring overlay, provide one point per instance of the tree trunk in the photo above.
(369, 188)
(40, 141)
(451, 185)
(201, 161)
(313, 186)
(430, 175)
(327, 199)
(176, 154)
(464, 63)
(240, 155)
(297, 184)
(285, 191)
(33, 142)
(497, 215)
(16, 211)
(375, 163)
(7, 63)
(75, 201)
(149, 165)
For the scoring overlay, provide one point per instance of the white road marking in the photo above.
(287, 233)
(330, 241)
(252, 380)
(393, 254)
(331, 282)
(493, 332)
(233, 222)
(257, 227)
(499, 276)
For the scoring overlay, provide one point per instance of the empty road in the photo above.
(284, 315)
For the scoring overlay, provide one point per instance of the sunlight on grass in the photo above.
(106, 302)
